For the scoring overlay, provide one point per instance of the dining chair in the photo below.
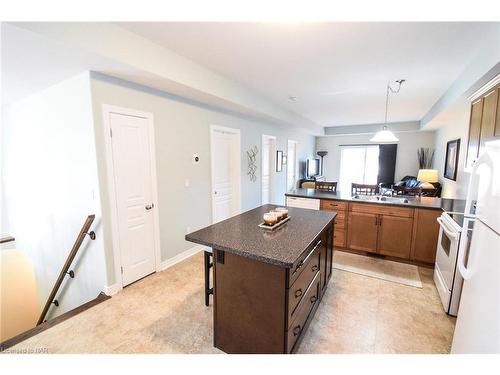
(326, 186)
(364, 189)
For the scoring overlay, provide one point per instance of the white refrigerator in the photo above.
(477, 328)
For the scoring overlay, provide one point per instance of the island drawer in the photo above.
(303, 262)
(333, 205)
(340, 219)
(382, 209)
(339, 238)
(304, 309)
(299, 287)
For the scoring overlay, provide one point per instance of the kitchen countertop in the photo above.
(445, 204)
(282, 247)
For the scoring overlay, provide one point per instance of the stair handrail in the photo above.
(64, 271)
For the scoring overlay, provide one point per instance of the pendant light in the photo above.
(385, 135)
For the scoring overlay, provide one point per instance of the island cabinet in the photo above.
(267, 283)
(263, 308)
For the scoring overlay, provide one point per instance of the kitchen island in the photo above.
(399, 228)
(267, 284)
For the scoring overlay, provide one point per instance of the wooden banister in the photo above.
(64, 271)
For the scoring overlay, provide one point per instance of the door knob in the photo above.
(149, 206)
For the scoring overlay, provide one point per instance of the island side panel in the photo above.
(249, 305)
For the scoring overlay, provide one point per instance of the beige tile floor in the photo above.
(164, 313)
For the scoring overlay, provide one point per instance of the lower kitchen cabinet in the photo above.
(362, 231)
(425, 236)
(394, 236)
(399, 232)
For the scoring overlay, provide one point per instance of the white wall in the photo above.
(406, 160)
(182, 129)
(453, 124)
(51, 185)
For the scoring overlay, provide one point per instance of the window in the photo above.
(358, 164)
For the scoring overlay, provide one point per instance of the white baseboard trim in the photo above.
(112, 289)
(180, 257)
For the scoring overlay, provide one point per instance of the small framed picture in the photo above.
(451, 161)
(279, 161)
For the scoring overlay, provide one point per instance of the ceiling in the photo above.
(337, 71)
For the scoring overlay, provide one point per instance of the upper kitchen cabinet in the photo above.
(489, 117)
(484, 123)
(474, 131)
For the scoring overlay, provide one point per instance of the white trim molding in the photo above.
(485, 88)
(182, 256)
(111, 290)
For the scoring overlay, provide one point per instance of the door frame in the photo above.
(237, 157)
(295, 169)
(107, 110)
(272, 171)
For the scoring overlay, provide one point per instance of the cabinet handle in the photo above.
(380, 220)
(376, 221)
(298, 293)
(314, 299)
(296, 330)
(314, 268)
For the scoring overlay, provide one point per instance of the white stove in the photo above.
(446, 275)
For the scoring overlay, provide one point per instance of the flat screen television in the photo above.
(312, 167)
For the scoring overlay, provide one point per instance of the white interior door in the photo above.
(225, 149)
(291, 166)
(133, 181)
(268, 169)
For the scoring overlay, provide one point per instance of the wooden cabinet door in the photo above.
(425, 235)
(394, 236)
(362, 231)
(323, 267)
(474, 131)
(496, 133)
(489, 117)
(329, 255)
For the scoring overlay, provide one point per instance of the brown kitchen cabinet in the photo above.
(340, 233)
(386, 230)
(425, 236)
(394, 236)
(497, 118)
(474, 131)
(484, 124)
(489, 117)
(362, 231)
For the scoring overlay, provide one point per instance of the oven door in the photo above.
(447, 252)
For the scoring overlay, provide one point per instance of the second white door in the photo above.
(291, 167)
(268, 168)
(226, 166)
(133, 179)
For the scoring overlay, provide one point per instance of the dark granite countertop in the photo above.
(282, 247)
(445, 204)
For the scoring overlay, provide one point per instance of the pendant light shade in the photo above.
(384, 135)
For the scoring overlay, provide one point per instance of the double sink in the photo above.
(381, 198)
